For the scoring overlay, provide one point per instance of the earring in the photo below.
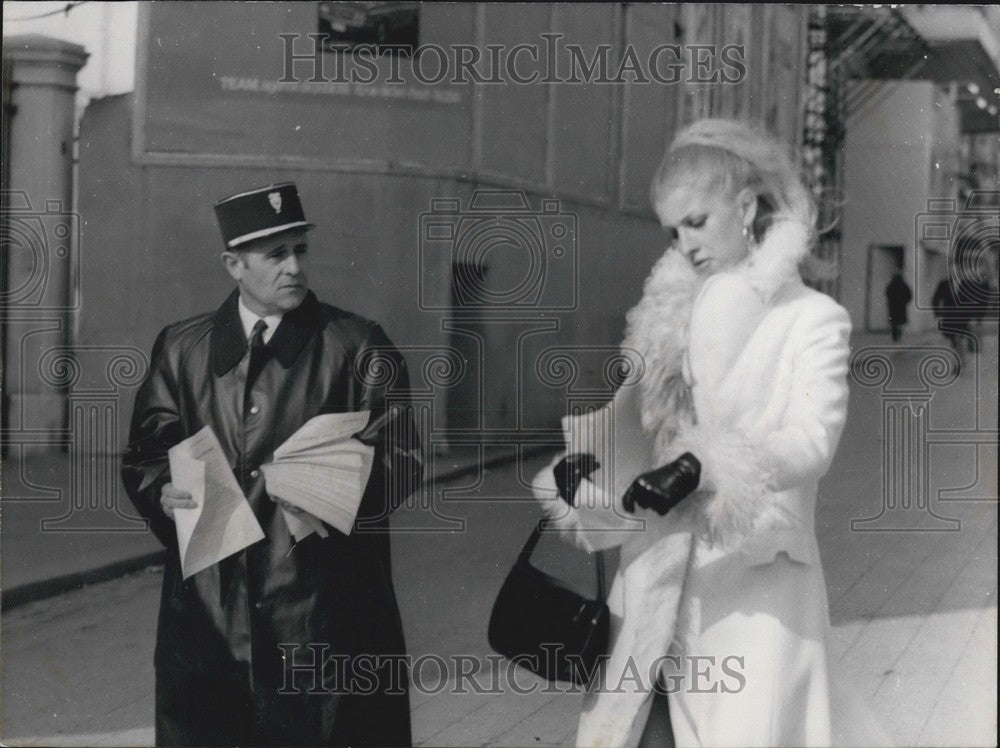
(748, 238)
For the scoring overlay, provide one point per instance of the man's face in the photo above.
(270, 272)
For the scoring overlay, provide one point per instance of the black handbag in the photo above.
(547, 628)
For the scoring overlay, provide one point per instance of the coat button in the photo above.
(254, 473)
(255, 409)
(259, 605)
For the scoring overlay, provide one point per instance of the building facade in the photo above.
(537, 173)
(479, 176)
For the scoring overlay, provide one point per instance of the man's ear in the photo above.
(233, 264)
(747, 202)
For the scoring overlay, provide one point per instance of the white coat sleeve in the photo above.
(800, 451)
(739, 469)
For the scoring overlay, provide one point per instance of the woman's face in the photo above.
(707, 226)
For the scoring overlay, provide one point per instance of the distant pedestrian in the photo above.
(898, 296)
(952, 320)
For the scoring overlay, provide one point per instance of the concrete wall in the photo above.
(151, 250)
(151, 245)
(894, 163)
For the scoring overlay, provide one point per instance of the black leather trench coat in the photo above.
(222, 678)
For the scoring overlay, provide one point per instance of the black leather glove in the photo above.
(662, 489)
(570, 471)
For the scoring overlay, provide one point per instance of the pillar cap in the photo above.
(44, 60)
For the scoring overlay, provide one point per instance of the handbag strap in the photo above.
(524, 558)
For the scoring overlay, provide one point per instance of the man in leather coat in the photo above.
(286, 642)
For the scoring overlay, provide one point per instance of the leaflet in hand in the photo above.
(223, 522)
(323, 471)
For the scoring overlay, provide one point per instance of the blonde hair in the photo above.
(732, 155)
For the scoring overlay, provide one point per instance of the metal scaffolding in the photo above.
(854, 54)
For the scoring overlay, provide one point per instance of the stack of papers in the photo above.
(223, 524)
(322, 471)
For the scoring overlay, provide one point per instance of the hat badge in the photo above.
(275, 199)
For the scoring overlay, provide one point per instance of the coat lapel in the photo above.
(229, 345)
(296, 329)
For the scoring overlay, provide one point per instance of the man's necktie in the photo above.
(258, 355)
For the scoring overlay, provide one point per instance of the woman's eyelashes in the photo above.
(691, 222)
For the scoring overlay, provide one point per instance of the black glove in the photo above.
(662, 489)
(570, 471)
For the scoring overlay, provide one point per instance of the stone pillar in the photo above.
(40, 234)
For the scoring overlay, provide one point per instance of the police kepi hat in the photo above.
(260, 213)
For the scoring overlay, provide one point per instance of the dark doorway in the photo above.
(468, 337)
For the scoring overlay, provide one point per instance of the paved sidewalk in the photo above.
(913, 592)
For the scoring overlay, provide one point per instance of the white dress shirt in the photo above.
(249, 319)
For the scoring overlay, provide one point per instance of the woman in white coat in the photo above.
(719, 601)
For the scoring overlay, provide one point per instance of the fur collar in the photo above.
(776, 261)
(657, 327)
